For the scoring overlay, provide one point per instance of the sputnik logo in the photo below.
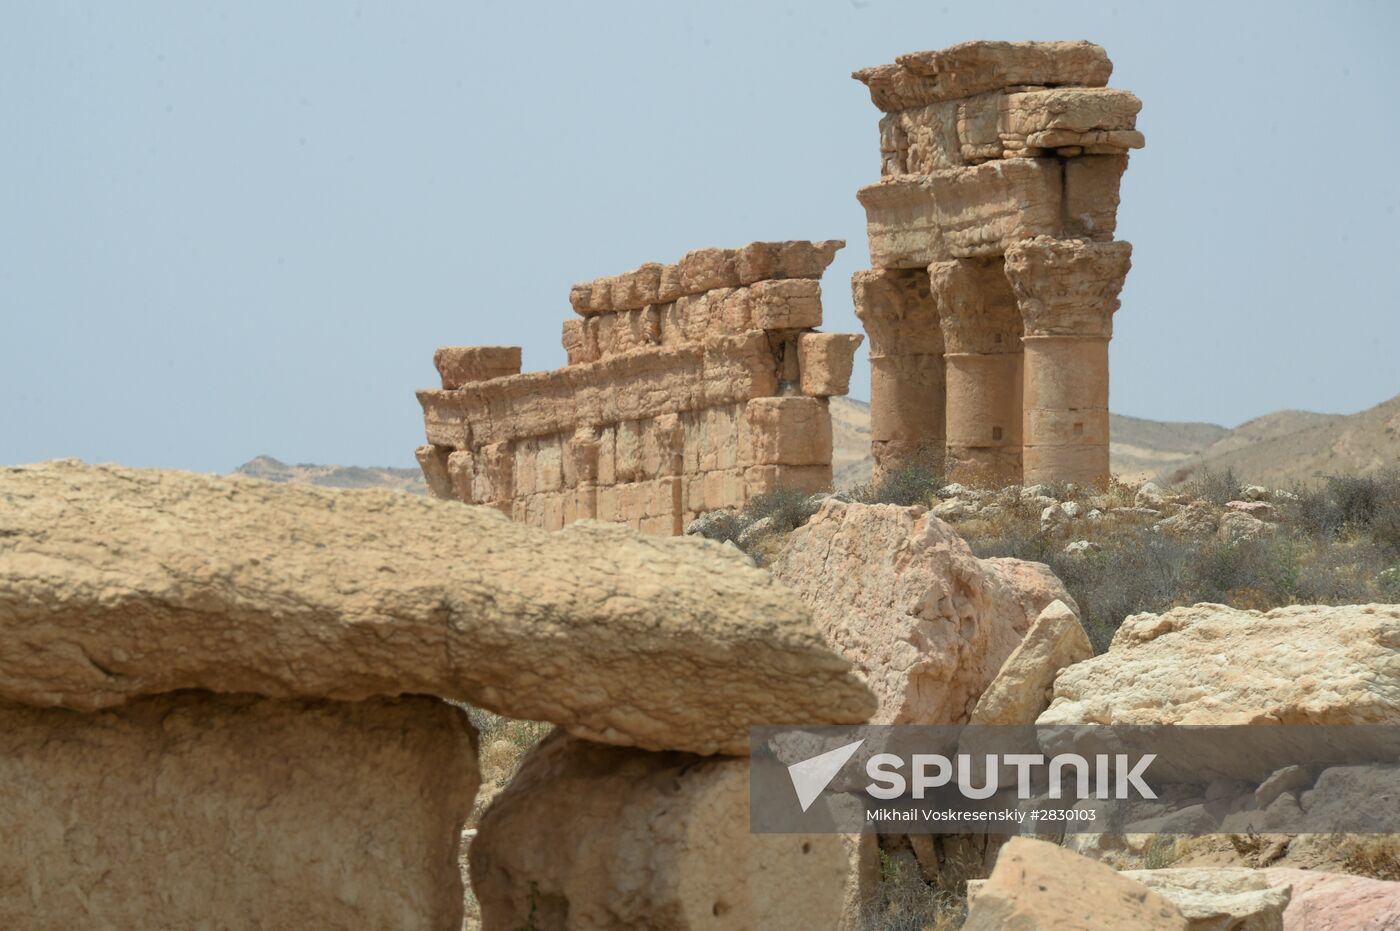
(812, 775)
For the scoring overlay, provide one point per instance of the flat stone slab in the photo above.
(118, 582)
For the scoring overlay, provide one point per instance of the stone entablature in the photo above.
(1000, 165)
(690, 386)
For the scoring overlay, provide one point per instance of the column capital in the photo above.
(897, 311)
(1068, 287)
(977, 309)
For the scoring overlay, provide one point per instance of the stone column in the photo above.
(981, 325)
(1068, 292)
(906, 366)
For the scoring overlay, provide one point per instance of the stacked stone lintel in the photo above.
(689, 387)
(995, 274)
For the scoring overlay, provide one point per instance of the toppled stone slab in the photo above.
(117, 583)
(1220, 899)
(899, 593)
(1212, 664)
(1039, 886)
(175, 811)
(1023, 686)
(593, 837)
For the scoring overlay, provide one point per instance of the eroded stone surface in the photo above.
(899, 593)
(177, 810)
(1211, 664)
(1022, 687)
(116, 583)
(1039, 886)
(1336, 902)
(1220, 899)
(593, 837)
(658, 417)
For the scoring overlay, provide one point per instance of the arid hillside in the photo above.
(1277, 449)
(1297, 446)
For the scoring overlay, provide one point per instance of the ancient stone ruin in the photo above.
(689, 387)
(995, 274)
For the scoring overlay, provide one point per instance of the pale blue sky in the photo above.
(241, 228)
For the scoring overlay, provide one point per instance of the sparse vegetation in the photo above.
(913, 483)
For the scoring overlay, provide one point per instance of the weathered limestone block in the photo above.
(459, 365)
(1039, 886)
(701, 271)
(906, 366)
(1068, 293)
(825, 360)
(915, 220)
(433, 461)
(789, 431)
(587, 837)
(1023, 686)
(899, 593)
(191, 809)
(1070, 110)
(720, 370)
(1216, 899)
(764, 261)
(707, 269)
(237, 585)
(789, 304)
(970, 68)
(580, 343)
(766, 479)
(981, 325)
(1303, 664)
(1091, 195)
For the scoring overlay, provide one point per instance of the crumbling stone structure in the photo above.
(996, 276)
(689, 387)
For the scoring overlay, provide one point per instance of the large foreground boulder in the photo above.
(199, 811)
(925, 622)
(116, 583)
(1038, 886)
(1211, 664)
(589, 837)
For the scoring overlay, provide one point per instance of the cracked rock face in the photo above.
(195, 811)
(117, 583)
(1212, 664)
(900, 594)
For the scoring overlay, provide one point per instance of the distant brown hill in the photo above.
(1276, 449)
(1299, 446)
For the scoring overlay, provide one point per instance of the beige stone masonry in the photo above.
(982, 362)
(906, 365)
(690, 387)
(984, 148)
(1068, 291)
(461, 365)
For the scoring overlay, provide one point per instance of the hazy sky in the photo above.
(242, 228)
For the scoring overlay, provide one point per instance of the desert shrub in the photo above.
(1215, 486)
(1367, 506)
(724, 525)
(903, 901)
(1388, 582)
(912, 483)
(788, 509)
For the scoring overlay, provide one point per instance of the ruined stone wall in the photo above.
(689, 387)
(995, 274)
